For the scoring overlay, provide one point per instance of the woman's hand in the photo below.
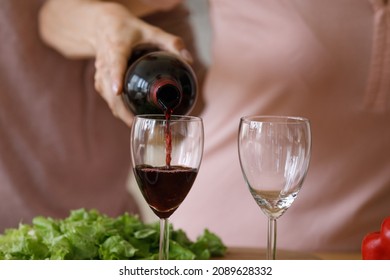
(107, 31)
(119, 32)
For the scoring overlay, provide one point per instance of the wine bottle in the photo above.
(158, 82)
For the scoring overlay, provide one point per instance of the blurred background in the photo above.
(201, 24)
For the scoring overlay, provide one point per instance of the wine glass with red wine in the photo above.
(166, 153)
(274, 154)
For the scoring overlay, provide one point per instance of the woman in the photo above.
(64, 140)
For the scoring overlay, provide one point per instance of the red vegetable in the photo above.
(376, 245)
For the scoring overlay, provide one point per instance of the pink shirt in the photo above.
(324, 60)
(60, 146)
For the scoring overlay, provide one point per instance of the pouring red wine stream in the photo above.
(158, 82)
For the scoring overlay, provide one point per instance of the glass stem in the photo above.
(164, 239)
(271, 244)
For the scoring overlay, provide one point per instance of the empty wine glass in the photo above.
(274, 154)
(166, 154)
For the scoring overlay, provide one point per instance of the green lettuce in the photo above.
(88, 234)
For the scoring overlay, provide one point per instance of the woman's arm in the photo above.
(106, 30)
(76, 28)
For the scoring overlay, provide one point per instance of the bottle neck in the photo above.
(166, 93)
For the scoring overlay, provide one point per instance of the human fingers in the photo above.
(168, 42)
(109, 93)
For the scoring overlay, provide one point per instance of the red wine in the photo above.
(164, 189)
(168, 140)
(157, 82)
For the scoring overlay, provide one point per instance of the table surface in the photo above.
(237, 253)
